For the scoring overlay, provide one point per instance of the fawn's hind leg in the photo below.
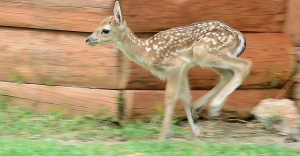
(225, 76)
(233, 71)
(241, 68)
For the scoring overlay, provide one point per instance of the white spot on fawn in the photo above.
(214, 42)
(148, 49)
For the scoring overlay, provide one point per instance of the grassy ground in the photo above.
(23, 132)
(17, 121)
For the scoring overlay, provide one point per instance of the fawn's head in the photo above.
(110, 29)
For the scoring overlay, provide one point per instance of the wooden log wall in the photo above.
(46, 65)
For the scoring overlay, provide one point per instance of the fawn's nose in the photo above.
(87, 40)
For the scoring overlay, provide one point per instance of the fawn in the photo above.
(171, 53)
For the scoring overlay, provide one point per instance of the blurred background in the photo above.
(45, 64)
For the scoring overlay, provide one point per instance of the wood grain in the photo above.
(247, 15)
(142, 104)
(68, 100)
(274, 62)
(70, 15)
(292, 23)
(56, 58)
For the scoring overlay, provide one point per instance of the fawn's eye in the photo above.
(105, 31)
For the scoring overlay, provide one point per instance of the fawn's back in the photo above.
(168, 47)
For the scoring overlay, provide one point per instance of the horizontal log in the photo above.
(62, 58)
(56, 58)
(67, 100)
(274, 62)
(292, 23)
(142, 104)
(71, 15)
(84, 16)
(247, 15)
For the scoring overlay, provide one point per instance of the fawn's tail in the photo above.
(240, 49)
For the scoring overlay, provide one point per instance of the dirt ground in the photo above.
(245, 132)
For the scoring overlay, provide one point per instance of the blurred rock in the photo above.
(280, 115)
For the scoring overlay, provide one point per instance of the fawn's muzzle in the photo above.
(90, 41)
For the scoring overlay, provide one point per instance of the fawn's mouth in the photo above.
(92, 43)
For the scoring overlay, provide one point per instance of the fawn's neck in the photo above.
(132, 47)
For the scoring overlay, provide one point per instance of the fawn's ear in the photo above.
(118, 14)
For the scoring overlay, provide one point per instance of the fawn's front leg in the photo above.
(171, 96)
(185, 97)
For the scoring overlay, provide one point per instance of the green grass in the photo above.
(17, 121)
(44, 148)
(15, 147)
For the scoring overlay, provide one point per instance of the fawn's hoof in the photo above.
(214, 113)
(195, 114)
(196, 131)
(164, 137)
